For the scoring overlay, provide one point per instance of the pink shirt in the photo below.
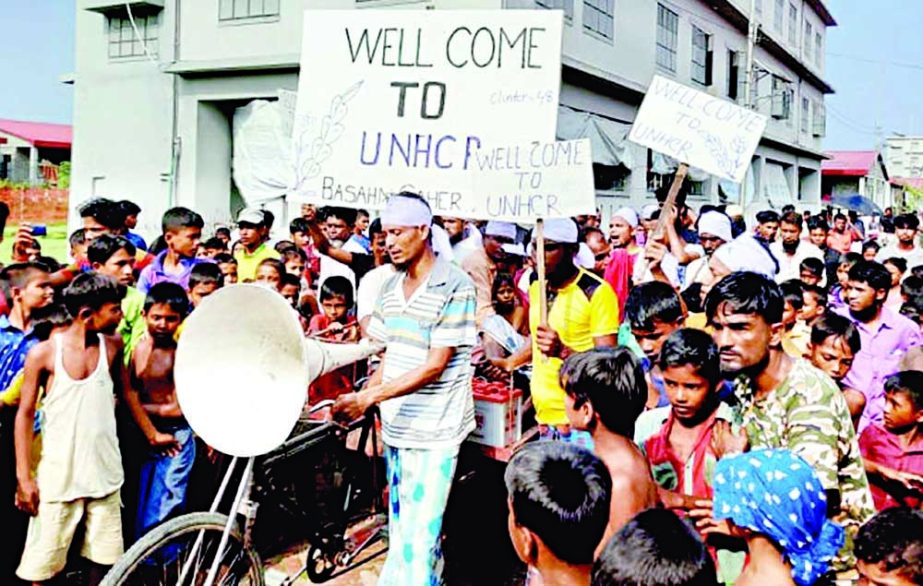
(882, 447)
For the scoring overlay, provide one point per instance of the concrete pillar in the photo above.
(33, 166)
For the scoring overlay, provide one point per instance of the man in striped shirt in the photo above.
(425, 318)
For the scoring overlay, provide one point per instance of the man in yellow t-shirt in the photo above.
(254, 232)
(583, 313)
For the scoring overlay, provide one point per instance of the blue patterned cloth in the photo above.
(776, 493)
(418, 483)
(164, 481)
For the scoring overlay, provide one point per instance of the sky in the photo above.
(874, 62)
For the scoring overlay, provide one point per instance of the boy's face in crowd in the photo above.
(229, 270)
(811, 310)
(37, 293)
(185, 241)
(337, 229)
(862, 296)
(201, 291)
(106, 319)
(213, 252)
(405, 243)
(223, 236)
(842, 274)
(79, 251)
(162, 321)
(378, 244)
(869, 253)
(839, 224)
(769, 230)
(743, 339)
(249, 234)
(335, 307)
(689, 392)
(131, 221)
(789, 315)
(506, 296)
(290, 293)
(809, 278)
(818, 237)
(268, 275)
(652, 340)
(906, 235)
(300, 239)
(620, 232)
(201, 252)
(362, 224)
(294, 266)
(878, 575)
(120, 266)
(579, 418)
(900, 412)
(93, 229)
(895, 274)
(833, 356)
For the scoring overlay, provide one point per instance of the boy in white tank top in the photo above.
(80, 472)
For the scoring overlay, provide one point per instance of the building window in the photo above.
(566, 5)
(701, 56)
(667, 33)
(123, 42)
(808, 33)
(819, 120)
(598, 17)
(818, 48)
(792, 25)
(778, 16)
(805, 114)
(697, 188)
(782, 93)
(733, 75)
(244, 9)
(611, 177)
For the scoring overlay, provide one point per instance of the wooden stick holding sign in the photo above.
(668, 204)
(540, 271)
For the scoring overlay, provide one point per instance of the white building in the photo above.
(157, 126)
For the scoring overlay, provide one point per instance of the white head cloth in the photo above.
(441, 244)
(562, 230)
(647, 212)
(629, 215)
(746, 254)
(716, 224)
(406, 211)
(503, 229)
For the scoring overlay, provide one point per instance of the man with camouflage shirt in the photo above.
(789, 404)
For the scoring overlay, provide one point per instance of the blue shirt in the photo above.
(154, 273)
(14, 345)
(137, 240)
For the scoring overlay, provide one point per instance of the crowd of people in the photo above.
(716, 402)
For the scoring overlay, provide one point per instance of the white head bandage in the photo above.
(746, 254)
(627, 214)
(562, 230)
(406, 211)
(502, 229)
(716, 224)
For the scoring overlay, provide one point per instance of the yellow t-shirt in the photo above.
(247, 263)
(584, 309)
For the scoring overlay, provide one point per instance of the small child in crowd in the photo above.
(291, 289)
(605, 394)
(508, 305)
(655, 548)
(870, 250)
(811, 271)
(228, 266)
(559, 499)
(78, 245)
(269, 273)
(889, 548)
(897, 266)
(893, 452)
(164, 472)
(837, 295)
(796, 335)
(336, 324)
(654, 311)
(182, 229)
(815, 304)
(834, 343)
(205, 279)
(114, 256)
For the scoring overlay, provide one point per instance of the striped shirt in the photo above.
(439, 314)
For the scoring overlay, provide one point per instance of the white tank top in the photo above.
(80, 449)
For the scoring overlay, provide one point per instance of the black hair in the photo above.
(894, 538)
(4, 215)
(850, 258)
(102, 249)
(215, 243)
(500, 280)
(561, 493)
(788, 209)
(375, 227)
(269, 219)
(223, 230)
(912, 287)
(767, 216)
(909, 382)
(650, 302)
(655, 548)
(50, 262)
(346, 214)
(792, 218)
(813, 265)
(129, 208)
(907, 221)
(167, 293)
(662, 192)
(917, 271)
(293, 253)
(912, 309)
(871, 245)
(612, 381)
(749, 293)
(92, 290)
(690, 346)
(362, 212)
(205, 273)
(290, 279)
(897, 262)
(299, 225)
(337, 286)
(274, 263)
(834, 325)
(157, 246)
(815, 222)
(224, 257)
(49, 317)
(692, 297)
(872, 273)
(77, 238)
(175, 219)
(818, 292)
(839, 216)
(793, 292)
(18, 276)
(284, 246)
(105, 211)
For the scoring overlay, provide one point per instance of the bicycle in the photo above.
(206, 548)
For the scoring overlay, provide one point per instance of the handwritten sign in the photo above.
(698, 129)
(392, 100)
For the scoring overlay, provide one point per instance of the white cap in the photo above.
(251, 216)
(716, 224)
(744, 253)
(585, 257)
(647, 212)
(514, 249)
(563, 230)
(502, 229)
(627, 214)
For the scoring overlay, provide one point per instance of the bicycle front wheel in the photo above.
(187, 544)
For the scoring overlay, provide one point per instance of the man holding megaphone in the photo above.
(425, 319)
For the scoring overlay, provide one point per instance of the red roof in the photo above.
(849, 163)
(912, 182)
(39, 134)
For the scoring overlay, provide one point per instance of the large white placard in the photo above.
(390, 100)
(698, 129)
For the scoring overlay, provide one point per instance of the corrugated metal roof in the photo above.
(850, 163)
(39, 134)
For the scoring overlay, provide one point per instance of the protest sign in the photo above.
(698, 129)
(392, 100)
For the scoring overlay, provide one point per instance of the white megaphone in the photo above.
(243, 367)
